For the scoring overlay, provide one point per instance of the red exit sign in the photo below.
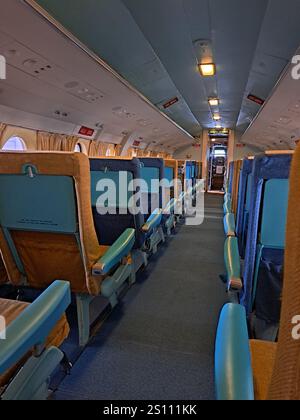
(170, 103)
(136, 143)
(256, 99)
(86, 131)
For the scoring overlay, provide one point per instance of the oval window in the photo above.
(78, 148)
(14, 144)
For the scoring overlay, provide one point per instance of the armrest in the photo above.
(120, 249)
(153, 221)
(229, 224)
(227, 197)
(34, 324)
(233, 369)
(169, 209)
(233, 263)
(227, 206)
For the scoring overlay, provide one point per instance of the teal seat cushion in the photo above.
(274, 215)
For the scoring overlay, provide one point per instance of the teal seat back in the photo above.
(121, 181)
(169, 174)
(248, 194)
(189, 172)
(274, 213)
(169, 193)
(149, 175)
(150, 193)
(40, 203)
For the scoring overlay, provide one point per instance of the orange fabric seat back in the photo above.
(285, 383)
(235, 184)
(47, 230)
(171, 174)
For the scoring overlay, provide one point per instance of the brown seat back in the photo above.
(285, 384)
(47, 230)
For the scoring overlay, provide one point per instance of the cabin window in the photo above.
(78, 148)
(14, 144)
(111, 150)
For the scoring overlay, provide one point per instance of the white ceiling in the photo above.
(47, 73)
(251, 50)
(152, 44)
(278, 123)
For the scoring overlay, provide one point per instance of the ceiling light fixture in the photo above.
(71, 85)
(29, 63)
(216, 117)
(213, 101)
(207, 70)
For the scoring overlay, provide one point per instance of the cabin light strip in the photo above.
(100, 61)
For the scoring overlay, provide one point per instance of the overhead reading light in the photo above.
(213, 101)
(216, 117)
(204, 53)
(207, 70)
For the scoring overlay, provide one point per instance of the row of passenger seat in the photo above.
(55, 225)
(259, 240)
(254, 257)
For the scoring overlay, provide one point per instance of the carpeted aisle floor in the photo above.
(159, 342)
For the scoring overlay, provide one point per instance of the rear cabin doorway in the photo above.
(217, 164)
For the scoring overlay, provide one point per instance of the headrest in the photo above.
(118, 165)
(272, 166)
(279, 152)
(152, 162)
(247, 166)
(46, 163)
(171, 163)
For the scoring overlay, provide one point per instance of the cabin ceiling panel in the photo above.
(5, 39)
(151, 44)
(233, 27)
(127, 51)
(63, 77)
(278, 121)
(279, 38)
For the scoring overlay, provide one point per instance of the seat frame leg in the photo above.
(83, 318)
(113, 300)
(111, 285)
(132, 277)
(161, 234)
(140, 259)
(170, 224)
(156, 238)
(32, 381)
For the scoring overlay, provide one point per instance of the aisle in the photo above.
(159, 343)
